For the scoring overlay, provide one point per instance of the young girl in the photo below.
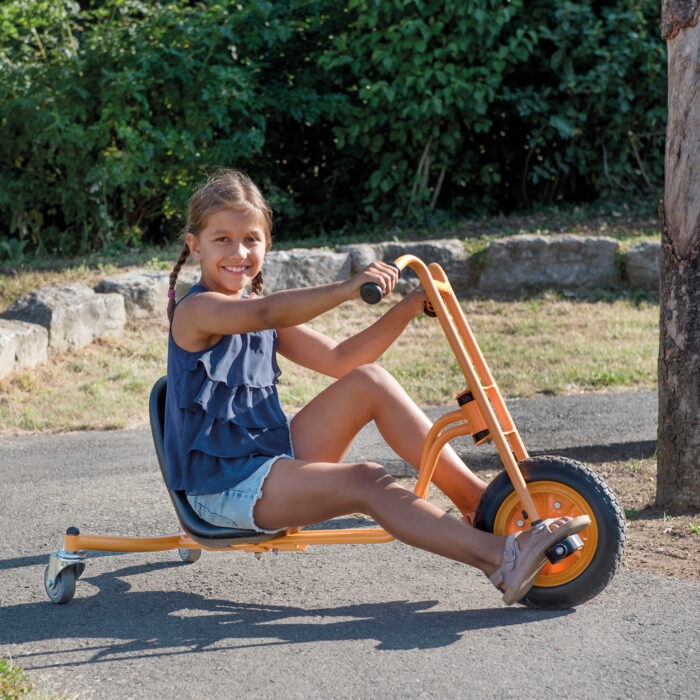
(228, 443)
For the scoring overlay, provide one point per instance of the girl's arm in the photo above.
(316, 351)
(209, 314)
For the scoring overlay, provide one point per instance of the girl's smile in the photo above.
(231, 249)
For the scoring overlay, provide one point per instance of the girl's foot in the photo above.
(524, 555)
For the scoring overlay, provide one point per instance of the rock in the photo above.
(22, 346)
(529, 262)
(449, 253)
(445, 252)
(73, 314)
(642, 265)
(188, 276)
(290, 269)
(145, 292)
(361, 255)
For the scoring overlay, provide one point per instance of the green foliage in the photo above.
(113, 110)
(111, 115)
(487, 103)
(14, 682)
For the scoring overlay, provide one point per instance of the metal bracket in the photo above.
(562, 549)
(62, 560)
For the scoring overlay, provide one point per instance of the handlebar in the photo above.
(371, 293)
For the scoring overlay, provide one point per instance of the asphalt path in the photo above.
(344, 621)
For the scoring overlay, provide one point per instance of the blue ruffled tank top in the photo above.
(223, 417)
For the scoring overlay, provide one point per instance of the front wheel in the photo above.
(63, 588)
(560, 486)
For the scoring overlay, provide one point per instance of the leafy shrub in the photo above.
(113, 110)
(490, 103)
(111, 115)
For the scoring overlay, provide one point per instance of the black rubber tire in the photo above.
(189, 556)
(609, 517)
(63, 589)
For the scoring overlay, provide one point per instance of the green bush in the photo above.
(111, 115)
(485, 103)
(369, 110)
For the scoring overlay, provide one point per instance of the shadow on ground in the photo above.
(165, 623)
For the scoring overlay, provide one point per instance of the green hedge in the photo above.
(112, 110)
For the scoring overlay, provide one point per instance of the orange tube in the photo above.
(463, 344)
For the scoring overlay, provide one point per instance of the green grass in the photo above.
(14, 682)
(545, 345)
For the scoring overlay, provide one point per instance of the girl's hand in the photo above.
(386, 276)
(415, 301)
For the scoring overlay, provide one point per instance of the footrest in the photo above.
(562, 549)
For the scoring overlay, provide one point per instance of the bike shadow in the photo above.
(163, 623)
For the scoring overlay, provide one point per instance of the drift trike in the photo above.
(530, 488)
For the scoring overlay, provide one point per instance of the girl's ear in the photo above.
(193, 244)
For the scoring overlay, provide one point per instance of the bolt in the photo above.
(557, 505)
(560, 550)
(520, 523)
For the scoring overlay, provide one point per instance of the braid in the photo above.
(184, 254)
(257, 284)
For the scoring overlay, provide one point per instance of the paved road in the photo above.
(345, 621)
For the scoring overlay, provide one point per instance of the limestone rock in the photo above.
(449, 253)
(290, 269)
(567, 262)
(22, 346)
(145, 292)
(445, 252)
(188, 276)
(642, 265)
(73, 314)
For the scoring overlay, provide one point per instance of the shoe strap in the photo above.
(510, 554)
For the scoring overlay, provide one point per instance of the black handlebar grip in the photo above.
(428, 310)
(371, 292)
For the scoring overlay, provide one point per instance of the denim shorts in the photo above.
(234, 507)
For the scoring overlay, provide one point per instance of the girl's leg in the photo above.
(299, 493)
(325, 428)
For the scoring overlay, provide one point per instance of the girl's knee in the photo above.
(372, 375)
(368, 475)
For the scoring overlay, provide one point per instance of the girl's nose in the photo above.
(237, 251)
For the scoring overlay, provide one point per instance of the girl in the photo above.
(228, 443)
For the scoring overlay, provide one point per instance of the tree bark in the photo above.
(678, 448)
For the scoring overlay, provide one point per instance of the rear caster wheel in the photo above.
(63, 588)
(560, 486)
(189, 556)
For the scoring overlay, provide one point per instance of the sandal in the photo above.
(522, 565)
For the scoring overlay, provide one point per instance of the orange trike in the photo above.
(530, 488)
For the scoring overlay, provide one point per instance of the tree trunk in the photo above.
(678, 449)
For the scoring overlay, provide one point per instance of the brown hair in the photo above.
(226, 189)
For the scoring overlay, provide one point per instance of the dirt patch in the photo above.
(658, 541)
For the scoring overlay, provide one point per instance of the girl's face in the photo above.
(230, 249)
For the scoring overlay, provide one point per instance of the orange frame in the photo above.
(492, 412)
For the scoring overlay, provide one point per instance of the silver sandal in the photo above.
(522, 565)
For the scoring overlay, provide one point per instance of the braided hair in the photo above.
(226, 189)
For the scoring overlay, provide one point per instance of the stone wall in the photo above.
(65, 317)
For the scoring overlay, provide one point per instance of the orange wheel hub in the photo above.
(552, 500)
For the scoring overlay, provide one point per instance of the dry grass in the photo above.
(544, 345)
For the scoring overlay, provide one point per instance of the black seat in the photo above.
(199, 530)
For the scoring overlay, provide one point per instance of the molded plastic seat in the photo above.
(199, 530)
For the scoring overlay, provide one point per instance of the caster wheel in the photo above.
(63, 588)
(560, 486)
(189, 556)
